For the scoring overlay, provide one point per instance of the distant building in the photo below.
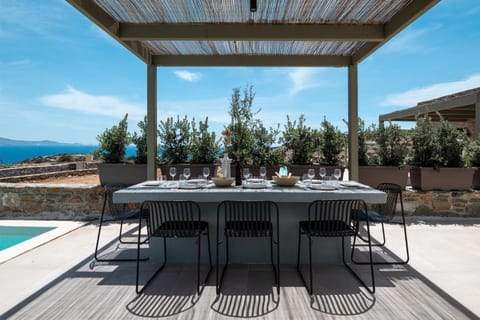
(462, 109)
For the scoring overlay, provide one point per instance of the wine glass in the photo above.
(206, 173)
(311, 174)
(186, 173)
(337, 174)
(173, 172)
(263, 172)
(323, 172)
(246, 173)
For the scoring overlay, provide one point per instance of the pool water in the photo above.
(12, 235)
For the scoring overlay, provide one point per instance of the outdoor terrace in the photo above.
(55, 281)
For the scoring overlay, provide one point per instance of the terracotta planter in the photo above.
(121, 173)
(476, 178)
(441, 179)
(374, 175)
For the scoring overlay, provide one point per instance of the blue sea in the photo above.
(11, 153)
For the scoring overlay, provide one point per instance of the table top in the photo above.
(152, 190)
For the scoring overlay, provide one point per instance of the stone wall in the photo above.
(81, 202)
(47, 201)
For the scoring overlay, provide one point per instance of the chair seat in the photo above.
(373, 216)
(180, 229)
(247, 229)
(329, 228)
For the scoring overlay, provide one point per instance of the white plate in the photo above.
(255, 180)
(350, 184)
(151, 184)
(323, 187)
(192, 185)
(249, 185)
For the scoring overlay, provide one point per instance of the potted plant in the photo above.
(301, 144)
(389, 164)
(474, 161)
(332, 146)
(437, 156)
(114, 168)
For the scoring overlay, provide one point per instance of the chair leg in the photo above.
(310, 263)
(384, 240)
(298, 262)
(372, 291)
(224, 269)
(198, 261)
(380, 244)
(275, 268)
(100, 227)
(156, 272)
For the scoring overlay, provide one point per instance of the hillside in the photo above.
(11, 142)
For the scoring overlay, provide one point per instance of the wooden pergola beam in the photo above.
(251, 60)
(257, 32)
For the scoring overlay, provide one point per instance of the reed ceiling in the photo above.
(227, 32)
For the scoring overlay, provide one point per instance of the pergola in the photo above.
(460, 107)
(282, 33)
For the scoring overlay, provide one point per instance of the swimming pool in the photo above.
(12, 235)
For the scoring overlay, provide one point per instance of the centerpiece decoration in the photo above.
(223, 175)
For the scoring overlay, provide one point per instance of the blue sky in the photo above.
(64, 79)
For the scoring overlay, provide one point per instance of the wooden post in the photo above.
(151, 122)
(353, 121)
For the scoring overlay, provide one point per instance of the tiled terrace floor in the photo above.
(55, 281)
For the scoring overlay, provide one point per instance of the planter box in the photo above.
(374, 175)
(476, 178)
(442, 179)
(121, 173)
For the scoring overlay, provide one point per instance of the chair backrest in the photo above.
(333, 215)
(180, 216)
(394, 193)
(115, 209)
(249, 216)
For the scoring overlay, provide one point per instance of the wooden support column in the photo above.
(476, 134)
(353, 121)
(151, 122)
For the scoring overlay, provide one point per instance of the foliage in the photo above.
(242, 122)
(262, 151)
(473, 153)
(392, 143)
(301, 140)
(333, 143)
(424, 143)
(175, 138)
(451, 143)
(113, 142)
(140, 141)
(205, 147)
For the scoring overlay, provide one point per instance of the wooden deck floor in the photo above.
(108, 292)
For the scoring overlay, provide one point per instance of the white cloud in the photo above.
(412, 97)
(303, 79)
(76, 100)
(187, 75)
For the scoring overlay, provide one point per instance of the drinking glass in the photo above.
(173, 172)
(337, 174)
(162, 179)
(263, 172)
(311, 174)
(323, 172)
(186, 173)
(206, 172)
(246, 173)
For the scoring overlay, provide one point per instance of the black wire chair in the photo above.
(118, 212)
(332, 218)
(248, 219)
(384, 213)
(175, 219)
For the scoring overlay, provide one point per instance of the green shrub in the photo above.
(140, 141)
(451, 142)
(333, 143)
(175, 140)
(113, 142)
(424, 143)
(300, 140)
(392, 143)
(205, 145)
